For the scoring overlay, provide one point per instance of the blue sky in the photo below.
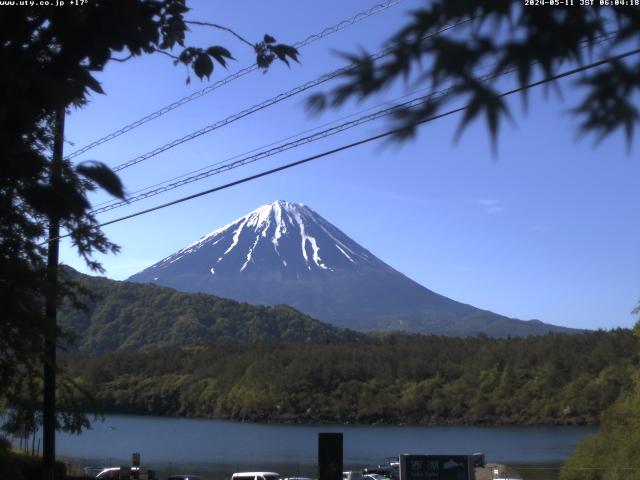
(546, 228)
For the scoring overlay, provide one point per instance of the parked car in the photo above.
(255, 476)
(126, 473)
(390, 469)
(383, 471)
(374, 476)
(352, 475)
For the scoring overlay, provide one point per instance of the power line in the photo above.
(251, 157)
(240, 73)
(265, 153)
(261, 106)
(415, 102)
(361, 142)
(368, 139)
(148, 188)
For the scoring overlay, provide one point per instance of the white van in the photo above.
(352, 475)
(125, 473)
(255, 476)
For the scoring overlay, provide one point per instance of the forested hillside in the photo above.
(133, 316)
(554, 379)
(612, 454)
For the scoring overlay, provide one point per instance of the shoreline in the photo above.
(289, 421)
(179, 444)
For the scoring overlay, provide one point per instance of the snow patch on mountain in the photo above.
(244, 265)
(282, 233)
(236, 236)
(344, 253)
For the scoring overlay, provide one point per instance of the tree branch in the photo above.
(122, 59)
(175, 57)
(214, 25)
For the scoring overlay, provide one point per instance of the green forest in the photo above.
(134, 316)
(145, 349)
(552, 379)
(611, 454)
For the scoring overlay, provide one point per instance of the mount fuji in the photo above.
(285, 253)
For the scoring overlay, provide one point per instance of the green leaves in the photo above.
(102, 175)
(609, 107)
(267, 51)
(93, 84)
(483, 99)
(62, 200)
(450, 41)
(203, 66)
(220, 54)
(201, 61)
(283, 51)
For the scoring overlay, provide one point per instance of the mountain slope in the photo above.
(130, 316)
(285, 253)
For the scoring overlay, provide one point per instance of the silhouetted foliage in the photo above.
(17, 466)
(496, 36)
(48, 56)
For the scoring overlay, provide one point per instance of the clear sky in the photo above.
(547, 228)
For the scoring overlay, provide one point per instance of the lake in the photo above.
(200, 445)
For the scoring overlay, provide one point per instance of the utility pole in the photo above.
(51, 313)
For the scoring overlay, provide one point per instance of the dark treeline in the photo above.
(552, 379)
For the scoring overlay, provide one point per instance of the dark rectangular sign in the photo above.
(436, 467)
(330, 456)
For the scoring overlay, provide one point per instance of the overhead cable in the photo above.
(260, 106)
(251, 157)
(255, 150)
(415, 102)
(234, 76)
(367, 140)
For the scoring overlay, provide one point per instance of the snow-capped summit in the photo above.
(285, 253)
(282, 236)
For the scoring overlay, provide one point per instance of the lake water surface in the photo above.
(177, 443)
